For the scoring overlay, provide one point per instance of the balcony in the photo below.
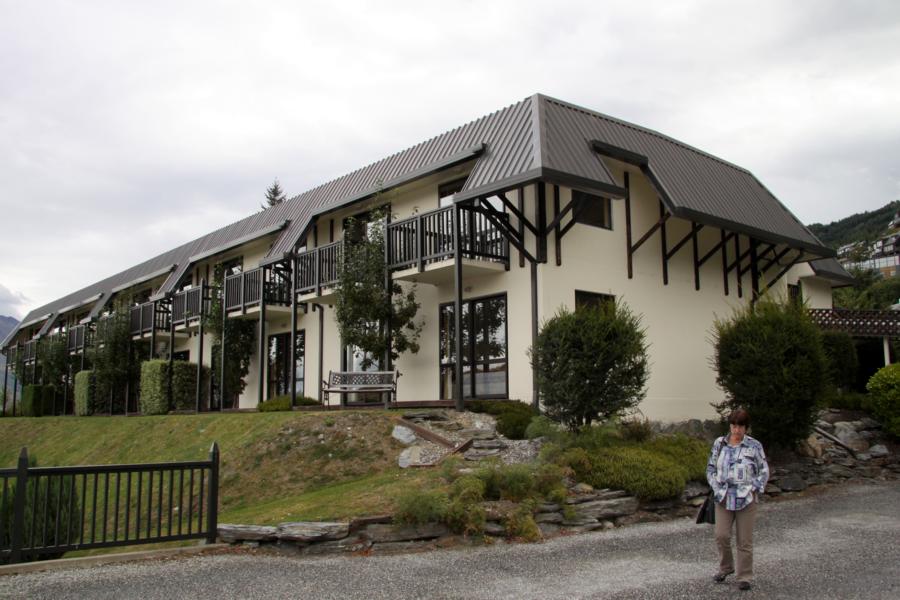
(147, 317)
(244, 291)
(78, 338)
(189, 306)
(421, 248)
(29, 353)
(317, 271)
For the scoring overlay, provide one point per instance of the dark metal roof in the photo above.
(831, 269)
(538, 137)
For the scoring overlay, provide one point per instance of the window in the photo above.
(183, 356)
(279, 372)
(592, 299)
(484, 344)
(446, 191)
(233, 266)
(357, 227)
(591, 210)
(794, 294)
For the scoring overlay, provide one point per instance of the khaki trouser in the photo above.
(743, 523)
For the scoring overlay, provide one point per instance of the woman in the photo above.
(737, 472)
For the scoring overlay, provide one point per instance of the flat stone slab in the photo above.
(381, 534)
(426, 415)
(230, 533)
(792, 483)
(608, 509)
(489, 444)
(494, 528)
(476, 454)
(553, 517)
(410, 457)
(349, 544)
(598, 495)
(404, 435)
(878, 450)
(312, 531)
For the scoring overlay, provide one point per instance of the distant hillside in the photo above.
(7, 324)
(867, 226)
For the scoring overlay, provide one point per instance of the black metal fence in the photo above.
(47, 511)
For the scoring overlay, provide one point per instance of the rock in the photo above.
(476, 454)
(380, 533)
(604, 494)
(582, 488)
(639, 517)
(410, 457)
(697, 500)
(869, 423)
(659, 504)
(494, 444)
(498, 510)
(607, 509)
(230, 534)
(579, 521)
(547, 507)
(867, 435)
(450, 426)
(694, 489)
(845, 432)
(548, 529)
(878, 450)
(426, 415)
(404, 435)
(869, 472)
(478, 434)
(250, 544)
(824, 425)
(584, 528)
(863, 456)
(772, 489)
(811, 447)
(494, 528)
(839, 471)
(792, 483)
(350, 544)
(312, 532)
(607, 525)
(554, 517)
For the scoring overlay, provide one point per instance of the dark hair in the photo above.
(739, 417)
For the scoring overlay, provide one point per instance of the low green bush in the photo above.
(276, 404)
(884, 390)
(154, 387)
(541, 427)
(184, 385)
(84, 393)
(468, 488)
(421, 506)
(689, 454)
(520, 524)
(516, 483)
(847, 400)
(643, 473)
(38, 400)
(512, 417)
(465, 518)
(635, 429)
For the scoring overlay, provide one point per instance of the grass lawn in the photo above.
(275, 466)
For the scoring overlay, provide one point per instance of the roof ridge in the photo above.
(642, 129)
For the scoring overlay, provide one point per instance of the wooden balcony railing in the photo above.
(190, 305)
(428, 238)
(246, 289)
(318, 268)
(78, 338)
(146, 317)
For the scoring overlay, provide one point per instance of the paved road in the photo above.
(844, 543)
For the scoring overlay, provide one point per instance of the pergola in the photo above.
(861, 323)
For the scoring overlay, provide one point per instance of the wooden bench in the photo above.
(354, 382)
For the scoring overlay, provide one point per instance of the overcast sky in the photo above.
(127, 128)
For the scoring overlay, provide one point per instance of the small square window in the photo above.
(588, 209)
(592, 299)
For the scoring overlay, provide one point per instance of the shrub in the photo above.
(468, 488)
(645, 474)
(590, 364)
(306, 401)
(540, 426)
(512, 417)
(841, 359)
(154, 387)
(884, 388)
(769, 360)
(465, 518)
(489, 473)
(520, 524)
(548, 482)
(636, 429)
(578, 461)
(278, 403)
(847, 400)
(687, 453)
(516, 483)
(450, 467)
(38, 400)
(420, 506)
(84, 393)
(184, 385)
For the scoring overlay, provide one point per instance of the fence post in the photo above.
(18, 523)
(212, 513)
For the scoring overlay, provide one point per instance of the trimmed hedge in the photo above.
(644, 473)
(84, 393)
(884, 390)
(155, 386)
(283, 403)
(38, 400)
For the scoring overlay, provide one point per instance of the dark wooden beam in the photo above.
(652, 230)
(520, 225)
(695, 227)
(723, 244)
(695, 254)
(518, 214)
(662, 242)
(554, 225)
(726, 237)
(503, 226)
(628, 225)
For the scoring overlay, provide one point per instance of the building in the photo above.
(502, 221)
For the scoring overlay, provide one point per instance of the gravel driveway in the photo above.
(840, 543)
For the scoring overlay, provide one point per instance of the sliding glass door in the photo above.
(485, 364)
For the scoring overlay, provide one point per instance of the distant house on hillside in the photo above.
(537, 206)
(882, 255)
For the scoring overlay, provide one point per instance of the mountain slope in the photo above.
(865, 226)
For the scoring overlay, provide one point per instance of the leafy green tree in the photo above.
(53, 356)
(770, 360)
(591, 364)
(274, 195)
(240, 340)
(374, 315)
(112, 361)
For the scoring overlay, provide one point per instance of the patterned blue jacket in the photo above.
(735, 472)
